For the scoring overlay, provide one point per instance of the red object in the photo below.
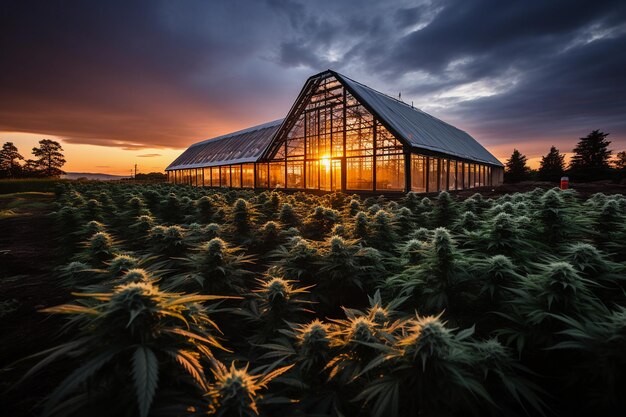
(564, 183)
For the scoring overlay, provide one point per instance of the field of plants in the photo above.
(190, 301)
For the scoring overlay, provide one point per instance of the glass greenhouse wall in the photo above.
(332, 142)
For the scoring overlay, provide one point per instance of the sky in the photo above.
(120, 83)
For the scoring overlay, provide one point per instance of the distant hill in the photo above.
(93, 176)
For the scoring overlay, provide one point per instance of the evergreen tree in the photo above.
(516, 169)
(552, 165)
(591, 157)
(9, 161)
(620, 160)
(50, 157)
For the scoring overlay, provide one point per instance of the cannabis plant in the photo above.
(205, 209)
(298, 258)
(344, 268)
(441, 280)
(430, 371)
(445, 211)
(272, 302)
(236, 392)
(132, 346)
(168, 241)
(214, 267)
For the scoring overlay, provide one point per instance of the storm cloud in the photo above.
(159, 74)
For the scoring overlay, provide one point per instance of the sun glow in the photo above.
(325, 161)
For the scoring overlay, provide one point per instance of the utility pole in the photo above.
(135, 171)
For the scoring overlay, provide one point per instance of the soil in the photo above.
(584, 189)
(27, 257)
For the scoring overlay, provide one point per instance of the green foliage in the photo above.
(552, 166)
(591, 157)
(516, 169)
(133, 344)
(340, 301)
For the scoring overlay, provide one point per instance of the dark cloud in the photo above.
(144, 74)
(149, 155)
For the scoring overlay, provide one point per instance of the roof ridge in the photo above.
(240, 132)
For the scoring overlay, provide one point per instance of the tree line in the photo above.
(48, 161)
(591, 161)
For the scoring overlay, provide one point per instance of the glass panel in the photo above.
(325, 174)
(294, 173)
(277, 175)
(295, 147)
(261, 175)
(206, 177)
(247, 175)
(390, 172)
(360, 142)
(385, 142)
(336, 175)
(199, 177)
(418, 173)
(433, 174)
(225, 176)
(476, 175)
(215, 176)
(312, 174)
(235, 175)
(452, 175)
(466, 175)
(443, 177)
(359, 173)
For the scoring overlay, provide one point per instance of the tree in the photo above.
(620, 160)
(50, 157)
(591, 157)
(516, 169)
(31, 169)
(9, 160)
(552, 165)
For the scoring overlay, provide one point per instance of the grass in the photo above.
(29, 184)
(23, 203)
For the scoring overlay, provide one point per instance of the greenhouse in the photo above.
(341, 135)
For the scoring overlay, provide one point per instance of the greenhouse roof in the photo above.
(234, 148)
(417, 128)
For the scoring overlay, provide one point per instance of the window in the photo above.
(476, 176)
(443, 174)
(312, 174)
(386, 143)
(277, 175)
(215, 176)
(433, 174)
(247, 175)
(198, 177)
(452, 175)
(225, 175)
(206, 175)
(261, 175)
(235, 175)
(359, 173)
(295, 170)
(418, 173)
(390, 172)
(186, 176)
